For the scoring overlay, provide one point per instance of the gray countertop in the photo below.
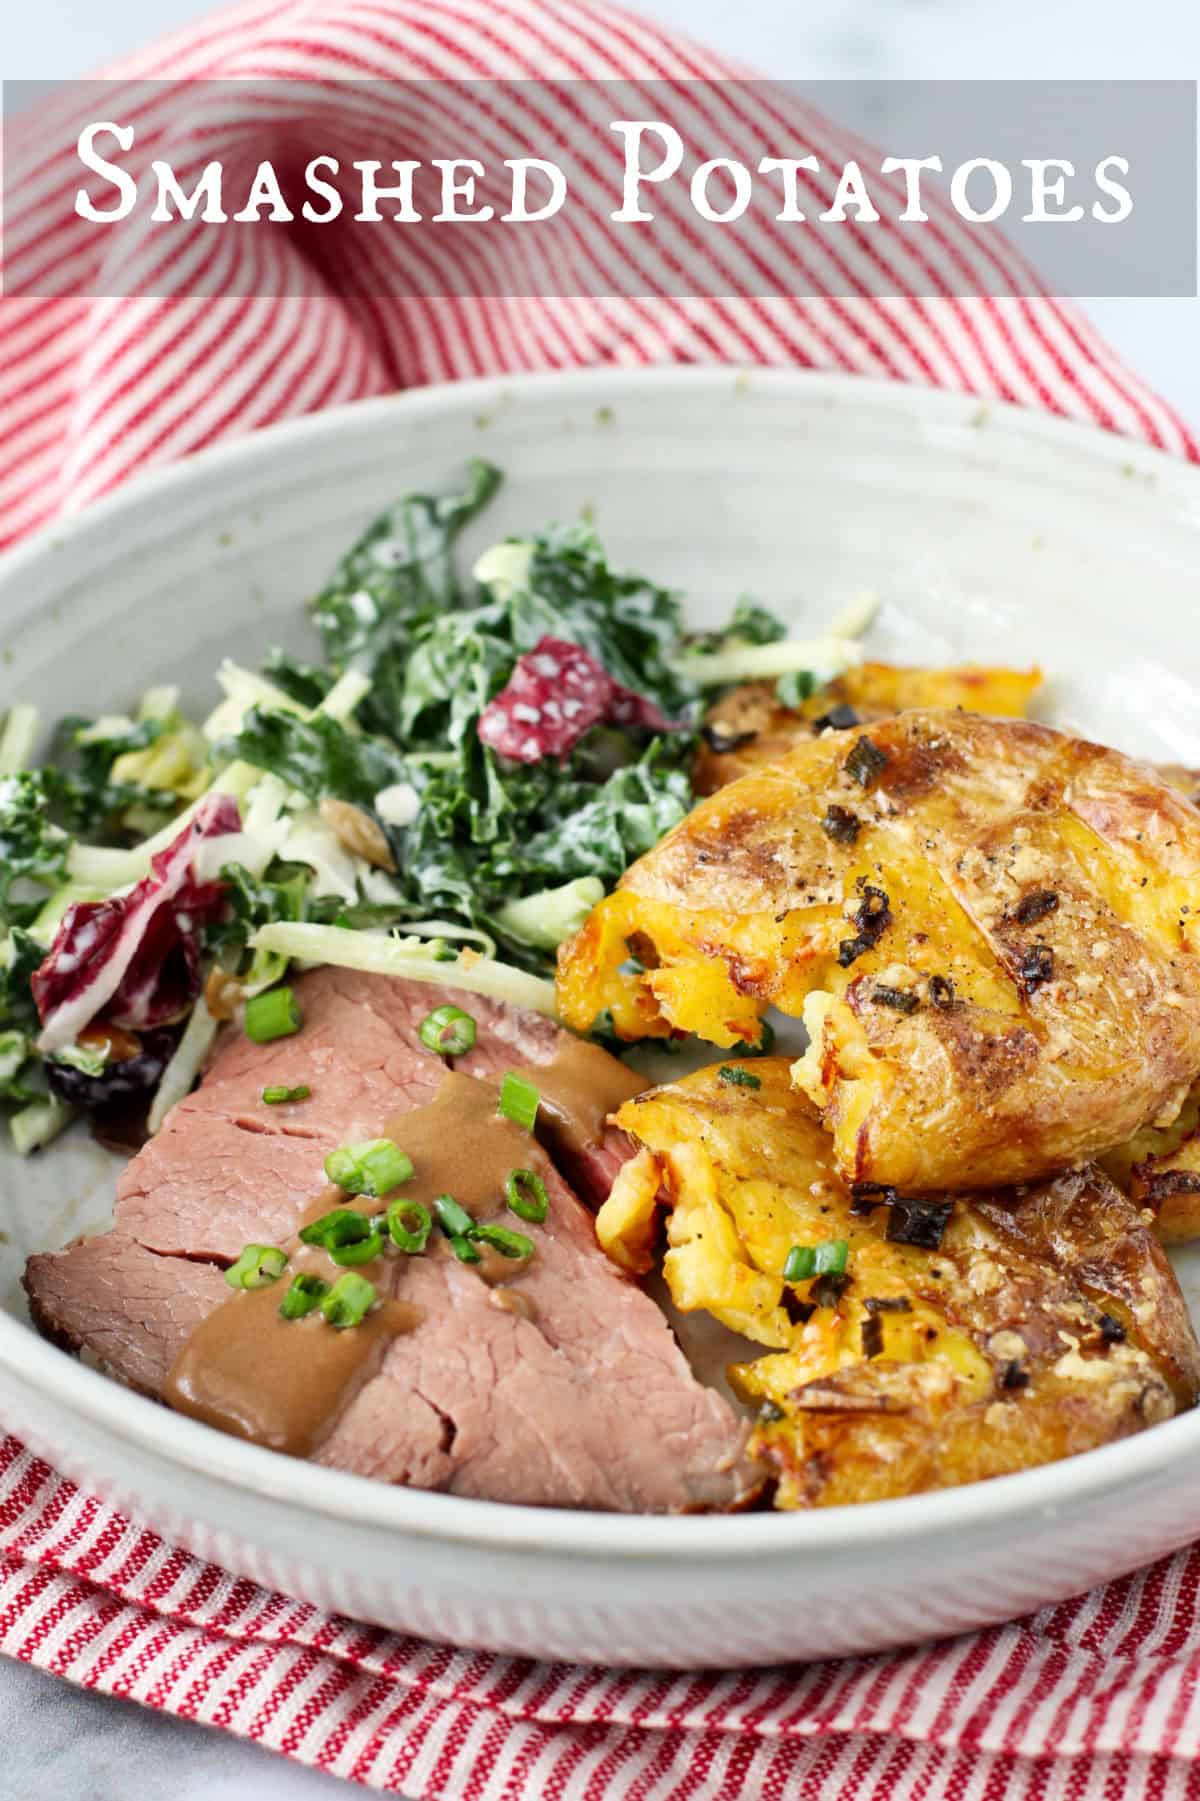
(60, 1744)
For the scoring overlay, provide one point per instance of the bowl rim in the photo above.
(361, 1502)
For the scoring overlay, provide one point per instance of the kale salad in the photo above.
(467, 764)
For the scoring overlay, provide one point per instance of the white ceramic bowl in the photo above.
(990, 534)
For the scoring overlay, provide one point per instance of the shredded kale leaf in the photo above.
(33, 849)
(283, 892)
(489, 831)
(20, 956)
(437, 650)
(302, 682)
(318, 756)
(750, 623)
(399, 576)
(87, 801)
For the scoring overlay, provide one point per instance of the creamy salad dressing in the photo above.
(284, 1383)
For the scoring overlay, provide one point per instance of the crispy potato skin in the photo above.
(874, 690)
(1046, 1322)
(1159, 1168)
(1026, 1000)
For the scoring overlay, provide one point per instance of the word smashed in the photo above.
(653, 163)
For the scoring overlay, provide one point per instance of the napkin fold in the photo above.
(1097, 1697)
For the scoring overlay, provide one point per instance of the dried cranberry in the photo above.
(556, 693)
(130, 1079)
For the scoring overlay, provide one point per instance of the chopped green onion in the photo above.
(464, 1249)
(305, 1293)
(347, 1235)
(800, 1263)
(738, 1077)
(519, 1101)
(374, 1168)
(275, 1014)
(275, 1097)
(447, 1031)
(832, 1257)
(827, 1259)
(509, 1244)
(361, 1250)
(454, 1220)
(348, 1301)
(525, 1193)
(408, 1225)
(258, 1266)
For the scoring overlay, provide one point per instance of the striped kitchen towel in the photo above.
(1097, 1697)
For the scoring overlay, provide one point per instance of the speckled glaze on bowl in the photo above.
(990, 534)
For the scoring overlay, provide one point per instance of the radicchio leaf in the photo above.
(135, 960)
(557, 692)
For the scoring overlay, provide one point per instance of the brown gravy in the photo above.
(579, 1088)
(284, 1383)
(280, 1383)
(460, 1145)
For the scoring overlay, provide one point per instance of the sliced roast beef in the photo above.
(225, 1157)
(561, 1385)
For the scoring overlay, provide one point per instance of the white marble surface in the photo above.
(61, 1745)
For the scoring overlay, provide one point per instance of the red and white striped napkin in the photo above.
(1097, 1697)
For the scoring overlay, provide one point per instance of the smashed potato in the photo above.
(1159, 1168)
(990, 930)
(1008, 1331)
(750, 725)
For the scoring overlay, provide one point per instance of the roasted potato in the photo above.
(750, 726)
(1009, 1330)
(990, 930)
(1159, 1169)
(1178, 775)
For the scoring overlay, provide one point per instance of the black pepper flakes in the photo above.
(1035, 968)
(769, 1414)
(1035, 906)
(1111, 1330)
(841, 825)
(1014, 1376)
(865, 762)
(872, 1336)
(839, 718)
(918, 1222)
